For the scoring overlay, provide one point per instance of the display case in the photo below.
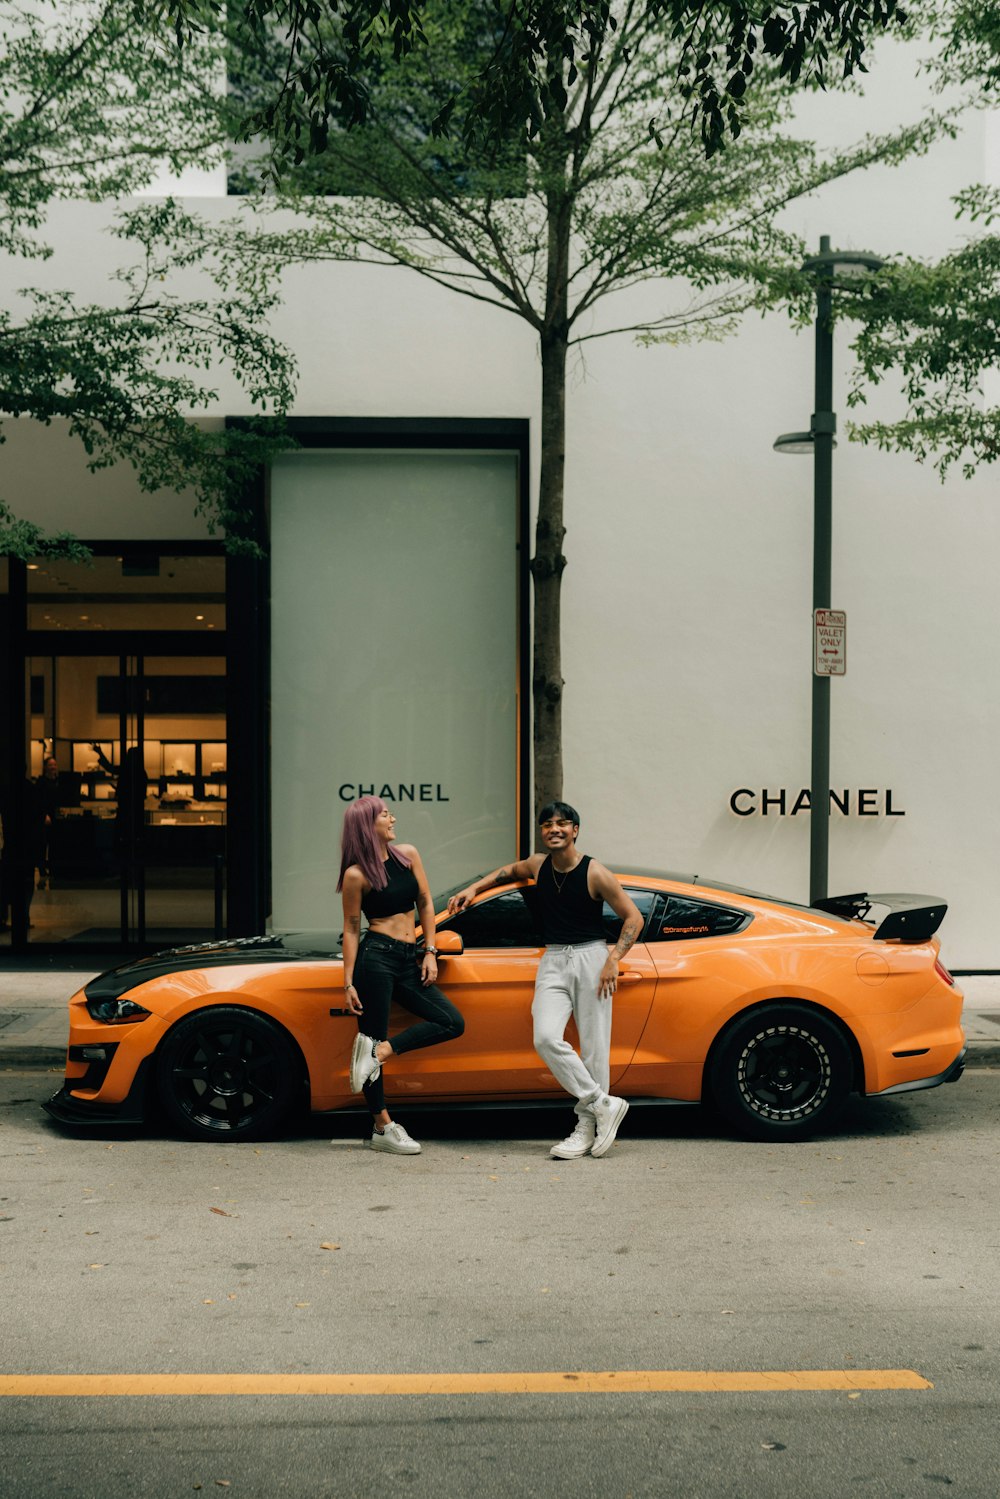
(190, 767)
(182, 774)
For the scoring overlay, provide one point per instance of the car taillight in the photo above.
(942, 972)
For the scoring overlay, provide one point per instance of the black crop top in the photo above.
(399, 894)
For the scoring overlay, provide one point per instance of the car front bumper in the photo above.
(67, 1107)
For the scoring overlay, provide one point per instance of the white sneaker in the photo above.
(395, 1140)
(364, 1068)
(609, 1113)
(579, 1143)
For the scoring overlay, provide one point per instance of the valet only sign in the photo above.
(829, 642)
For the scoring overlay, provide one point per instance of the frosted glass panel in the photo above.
(393, 663)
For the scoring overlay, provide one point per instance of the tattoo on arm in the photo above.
(630, 931)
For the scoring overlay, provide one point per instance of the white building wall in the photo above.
(687, 598)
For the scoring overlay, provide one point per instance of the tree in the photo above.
(550, 226)
(717, 43)
(90, 106)
(935, 329)
(935, 326)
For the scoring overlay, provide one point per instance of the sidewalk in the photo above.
(33, 1022)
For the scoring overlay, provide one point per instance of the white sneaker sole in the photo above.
(361, 1056)
(384, 1149)
(564, 1153)
(604, 1143)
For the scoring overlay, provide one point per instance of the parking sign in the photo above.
(829, 642)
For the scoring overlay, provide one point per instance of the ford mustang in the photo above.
(771, 1011)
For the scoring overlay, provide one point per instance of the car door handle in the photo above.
(629, 976)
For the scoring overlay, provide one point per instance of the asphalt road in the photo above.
(873, 1248)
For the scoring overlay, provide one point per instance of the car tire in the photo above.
(227, 1074)
(781, 1072)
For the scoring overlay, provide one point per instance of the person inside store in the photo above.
(385, 882)
(30, 817)
(34, 832)
(5, 863)
(49, 802)
(130, 795)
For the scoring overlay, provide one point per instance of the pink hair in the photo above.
(360, 846)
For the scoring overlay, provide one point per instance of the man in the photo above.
(577, 975)
(49, 797)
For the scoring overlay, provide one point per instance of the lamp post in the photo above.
(828, 268)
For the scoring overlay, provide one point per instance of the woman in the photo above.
(131, 785)
(385, 883)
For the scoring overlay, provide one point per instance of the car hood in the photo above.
(286, 947)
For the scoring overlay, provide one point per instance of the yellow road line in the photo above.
(611, 1381)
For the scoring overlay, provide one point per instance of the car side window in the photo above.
(505, 920)
(680, 919)
(644, 899)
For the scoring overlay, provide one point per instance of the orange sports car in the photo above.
(772, 1011)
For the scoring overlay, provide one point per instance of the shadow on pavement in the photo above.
(937, 1111)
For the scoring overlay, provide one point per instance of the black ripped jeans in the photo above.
(387, 972)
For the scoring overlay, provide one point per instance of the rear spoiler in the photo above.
(911, 918)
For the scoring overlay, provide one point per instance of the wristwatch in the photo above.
(432, 950)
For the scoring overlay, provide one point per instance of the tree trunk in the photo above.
(548, 562)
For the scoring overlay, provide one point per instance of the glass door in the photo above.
(126, 799)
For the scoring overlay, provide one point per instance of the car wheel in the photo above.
(781, 1072)
(227, 1074)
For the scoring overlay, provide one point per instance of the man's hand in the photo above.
(608, 981)
(461, 900)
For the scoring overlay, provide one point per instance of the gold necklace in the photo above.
(552, 871)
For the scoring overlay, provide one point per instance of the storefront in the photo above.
(149, 691)
(117, 778)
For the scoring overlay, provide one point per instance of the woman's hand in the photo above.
(429, 969)
(353, 1002)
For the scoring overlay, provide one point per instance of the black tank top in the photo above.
(566, 910)
(398, 894)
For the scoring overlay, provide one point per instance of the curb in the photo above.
(983, 1054)
(46, 1058)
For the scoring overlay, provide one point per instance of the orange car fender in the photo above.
(307, 1030)
(685, 1022)
(296, 996)
(300, 1034)
(859, 1043)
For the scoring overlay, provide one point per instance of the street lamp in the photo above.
(830, 269)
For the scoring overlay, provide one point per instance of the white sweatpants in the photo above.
(566, 986)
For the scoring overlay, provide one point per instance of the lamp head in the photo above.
(794, 442)
(843, 265)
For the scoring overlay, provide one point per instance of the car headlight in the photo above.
(115, 1011)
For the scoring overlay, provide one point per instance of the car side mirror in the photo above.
(449, 944)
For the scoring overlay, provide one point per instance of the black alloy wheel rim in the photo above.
(225, 1076)
(784, 1073)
